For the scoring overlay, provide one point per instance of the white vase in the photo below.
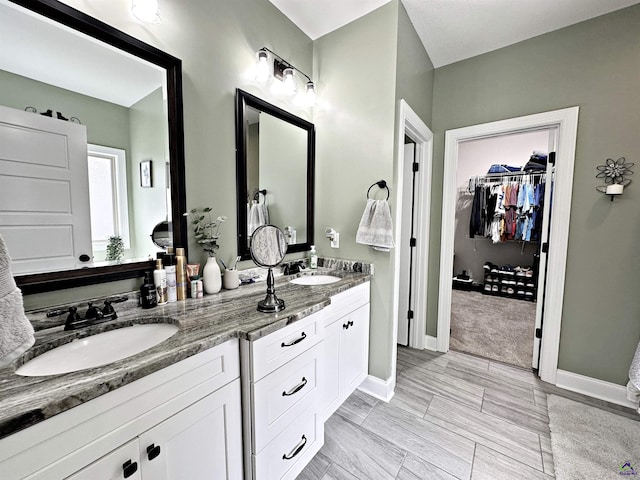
(211, 276)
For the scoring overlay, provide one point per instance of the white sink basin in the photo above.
(315, 280)
(96, 350)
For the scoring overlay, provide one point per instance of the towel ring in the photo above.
(381, 184)
(256, 196)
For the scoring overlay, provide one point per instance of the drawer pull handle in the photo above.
(297, 340)
(153, 451)
(296, 389)
(296, 450)
(129, 468)
(348, 324)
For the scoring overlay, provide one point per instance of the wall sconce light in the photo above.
(285, 72)
(614, 173)
(147, 11)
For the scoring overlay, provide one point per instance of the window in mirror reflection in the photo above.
(108, 200)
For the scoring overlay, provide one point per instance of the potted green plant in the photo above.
(206, 231)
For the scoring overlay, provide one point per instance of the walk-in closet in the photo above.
(503, 183)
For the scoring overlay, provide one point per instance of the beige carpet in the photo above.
(493, 327)
(590, 443)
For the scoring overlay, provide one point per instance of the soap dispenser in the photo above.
(148, 293)
(313, 257)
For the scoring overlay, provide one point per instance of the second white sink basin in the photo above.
(315, 280)
(97, 350)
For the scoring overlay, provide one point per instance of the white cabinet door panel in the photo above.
(354, 350)
(122, 463)
(202, 442)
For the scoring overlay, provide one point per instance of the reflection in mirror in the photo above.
(268, 249)
(127, 97)
(275, 168)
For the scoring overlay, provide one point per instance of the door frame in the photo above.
(566, 120)
(410, 124)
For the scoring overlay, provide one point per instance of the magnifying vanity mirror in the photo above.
(125, 97)
(268, 248)
(275, 172)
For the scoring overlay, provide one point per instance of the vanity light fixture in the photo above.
(614, 173)
(285, 72)
(147, 11)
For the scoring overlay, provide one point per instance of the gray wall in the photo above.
(595, 65)
(355, 128)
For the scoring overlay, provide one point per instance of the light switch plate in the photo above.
(335, 243)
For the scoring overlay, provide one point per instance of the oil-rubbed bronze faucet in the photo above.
(93, 316)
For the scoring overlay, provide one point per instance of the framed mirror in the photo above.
(275, 170)
(167, 190)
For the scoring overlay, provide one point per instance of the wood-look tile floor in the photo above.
(453, 416)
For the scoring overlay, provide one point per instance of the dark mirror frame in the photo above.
(83, 23)
(244, 100)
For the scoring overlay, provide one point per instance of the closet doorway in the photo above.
(502, 184)
(555, 234)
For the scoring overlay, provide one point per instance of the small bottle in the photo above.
(181, 274)
(160, 280)
(170, 269)
(147, 293)
(313, 257)
(194, 285)
(200, 287)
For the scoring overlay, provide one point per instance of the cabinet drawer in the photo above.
(277, 348)
(289, 452)
(284, 395)
(346, 302)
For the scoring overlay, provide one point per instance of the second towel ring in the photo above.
(381, 184)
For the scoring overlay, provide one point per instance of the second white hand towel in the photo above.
(376, 226)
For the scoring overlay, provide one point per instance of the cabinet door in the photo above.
(117, 465)
(203, 441)
(354, 350)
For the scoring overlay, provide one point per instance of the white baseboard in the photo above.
(380, 389)
(431, 343)
(593, 387)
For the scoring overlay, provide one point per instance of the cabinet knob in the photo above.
(129, 468)
(298, 448)
(153, 451)
(345, 325)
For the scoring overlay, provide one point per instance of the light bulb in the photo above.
(147, 11)
(310, 97)
(288, 81)
(263, 72)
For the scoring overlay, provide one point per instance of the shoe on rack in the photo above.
(487, 287)
(510, 291)
(494, 288)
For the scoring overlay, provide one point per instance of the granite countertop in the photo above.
(204, 323)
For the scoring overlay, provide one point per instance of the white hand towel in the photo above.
(633, 387)
(16, 332)
(256, 218)
(376, 226)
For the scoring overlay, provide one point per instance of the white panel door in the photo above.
(354, 351)
(202, 442)
(44, 191)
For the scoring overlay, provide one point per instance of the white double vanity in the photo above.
(244, 402)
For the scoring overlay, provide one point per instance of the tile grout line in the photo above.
(473, 460)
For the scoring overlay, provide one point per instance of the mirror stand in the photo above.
(271, 302)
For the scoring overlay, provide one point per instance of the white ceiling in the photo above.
(64, 58)
(453, 30)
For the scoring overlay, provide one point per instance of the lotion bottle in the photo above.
(313, 257)
(160, 280)
(170, 269)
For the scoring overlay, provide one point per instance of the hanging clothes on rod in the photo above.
(507, 206)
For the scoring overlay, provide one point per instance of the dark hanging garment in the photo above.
(475, 221)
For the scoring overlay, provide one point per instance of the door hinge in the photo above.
(412, 242)
(545, 247)
(416, 167)
(538, 333)
(410, 315)
(551, 158)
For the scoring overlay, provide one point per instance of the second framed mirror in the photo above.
(275, 169)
